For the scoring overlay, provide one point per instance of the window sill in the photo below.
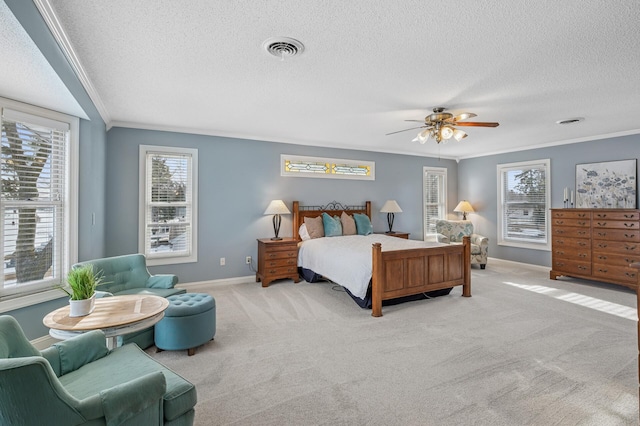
(29, 300)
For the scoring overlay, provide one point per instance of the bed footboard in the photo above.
(400, 273)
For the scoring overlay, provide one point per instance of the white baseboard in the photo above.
(518, 264)
(224, 281)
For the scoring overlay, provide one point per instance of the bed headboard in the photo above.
(333, 208)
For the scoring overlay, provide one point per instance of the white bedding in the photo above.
(347, 260)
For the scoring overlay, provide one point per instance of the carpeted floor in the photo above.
(524, 350)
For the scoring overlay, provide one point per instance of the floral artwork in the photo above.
(610, 185)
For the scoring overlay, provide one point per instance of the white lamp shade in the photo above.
(391, 207)
(277, 207)
(463, 207)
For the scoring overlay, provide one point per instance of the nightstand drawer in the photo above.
(280, 254)
(274, 263)
(282, 272)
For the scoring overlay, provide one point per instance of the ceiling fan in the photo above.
(441, 126)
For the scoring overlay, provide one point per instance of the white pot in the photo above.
(80, 308)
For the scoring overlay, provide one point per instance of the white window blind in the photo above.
(168, 223)
(34, 246)
(435, 189)
(524, 204)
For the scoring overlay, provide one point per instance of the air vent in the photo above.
(283, 47)
(570, 120)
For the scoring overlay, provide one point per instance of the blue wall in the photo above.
(237, 180)
(92, 170)
(477, 182)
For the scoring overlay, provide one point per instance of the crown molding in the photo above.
(51, 19)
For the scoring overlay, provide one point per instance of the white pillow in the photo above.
(304, 234)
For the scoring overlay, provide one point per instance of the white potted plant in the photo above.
(82, 290)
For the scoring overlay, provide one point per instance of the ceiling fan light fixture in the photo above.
(446, 132)
(459, 135)
(423, 136)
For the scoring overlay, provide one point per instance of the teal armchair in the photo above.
(128, 274)
(80, 382)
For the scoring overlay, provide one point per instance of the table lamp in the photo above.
(463, 207)
(390, 207)
(276, 208)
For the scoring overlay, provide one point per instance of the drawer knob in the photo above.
(629, 215)
(630, 247)
(630, 225)
(630, 274)
(629, 235)
(582, 214)
(602, 257)
(582, 267)
(602, 223)
(603, 270)
(602, 234)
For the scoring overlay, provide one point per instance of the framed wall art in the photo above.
(607, 185)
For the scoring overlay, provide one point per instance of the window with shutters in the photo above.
(523, 204)
(168, 221)
(38, 198)
(435, 199)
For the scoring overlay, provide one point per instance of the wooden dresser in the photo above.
(277, 259)
(596, 244)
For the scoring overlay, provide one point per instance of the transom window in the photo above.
(293, 165)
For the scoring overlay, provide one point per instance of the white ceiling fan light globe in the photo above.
(446, 132)
(459, 135)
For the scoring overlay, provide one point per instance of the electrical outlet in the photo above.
(248, 260)
(222, 261)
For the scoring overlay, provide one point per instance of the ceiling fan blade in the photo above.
(416, 121)
(475, 124)
(405, 130)
(463, 116)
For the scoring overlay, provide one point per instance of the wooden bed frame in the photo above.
(399, 273)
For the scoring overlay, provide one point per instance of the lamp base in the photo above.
(390, 232)
(276, 238)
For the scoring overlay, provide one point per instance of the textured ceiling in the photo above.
(25, 75)
(368, 65)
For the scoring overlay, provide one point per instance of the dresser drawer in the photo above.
(615, 273)
(568, 243)
(570, 214)
(608, 258)
(616, 224)
(567, 231)
(581, 223)
(617, 215)
(571, 253)
(616, 247)
(572, 266)
(616, 234)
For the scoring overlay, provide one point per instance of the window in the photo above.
(523, 204)
(168, 179)
(435, 195)
(38, 200)
(293, 165)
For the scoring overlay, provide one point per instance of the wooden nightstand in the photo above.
(277, 259)
(397, 234)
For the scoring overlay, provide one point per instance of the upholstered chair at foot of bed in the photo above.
(452, 232)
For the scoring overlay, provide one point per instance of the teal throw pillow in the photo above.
(363, 224)
(332, 225)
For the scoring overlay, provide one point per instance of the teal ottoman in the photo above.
(189, 321)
